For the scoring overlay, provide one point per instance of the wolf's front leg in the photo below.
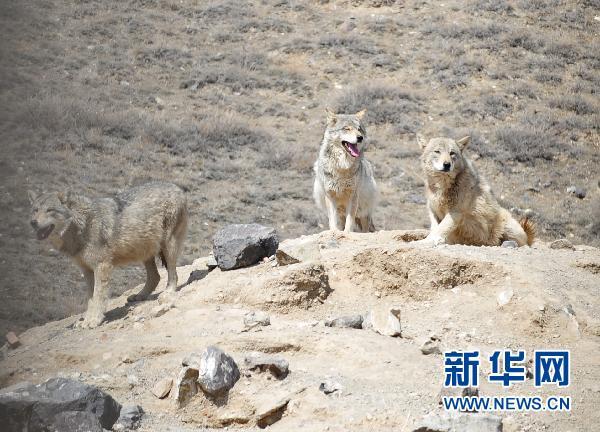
(439, 234)
(94, 315)
(332, 213)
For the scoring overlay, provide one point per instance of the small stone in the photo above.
(12, 339)
(162, 388)
(510, 244)
(456, 392)
(329, 387)
(384, 320)
(431, 346)
(185, 386)
(211, 263)
(129, 418)
(218, 371)
(562, 244)
(256, 319)
(303, 249)
(270, 412)
(132, 380)
(160, 310)
(577, 191)
(278, 366)
(127, 359)
(504, 297)
(348, 321)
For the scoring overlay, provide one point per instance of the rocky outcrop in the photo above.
(58, 404)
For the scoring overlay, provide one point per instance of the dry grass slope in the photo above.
(226, 98)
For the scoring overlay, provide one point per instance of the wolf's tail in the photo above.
(529, 228)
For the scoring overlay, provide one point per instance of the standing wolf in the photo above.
(461, 206)
(344, 184)
(135, 226)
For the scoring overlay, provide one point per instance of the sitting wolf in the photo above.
(344, 185)
(134, 226)
(461, 205)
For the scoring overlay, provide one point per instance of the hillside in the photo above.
(227, 98)
(469, 298)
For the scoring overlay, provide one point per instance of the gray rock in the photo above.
(431, 346)
(218, 371)
(278, 366)
(562, 244)
(35, 408)
(243, 245)
(329, 387)
(510, 244)
(256, 319)
(348, 321)
(75, 421)
(459, 422)
(303, 249)
(185, 386)
(129, 419)
(577, 191)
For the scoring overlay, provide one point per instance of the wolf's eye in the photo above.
(452, 153)
(436, 151)
(347, 128)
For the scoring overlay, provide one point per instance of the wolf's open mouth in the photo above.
(43, 233)
(351, 148)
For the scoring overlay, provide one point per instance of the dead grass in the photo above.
(226, 98)
(385, 103)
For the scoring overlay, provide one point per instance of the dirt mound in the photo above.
(414, 273)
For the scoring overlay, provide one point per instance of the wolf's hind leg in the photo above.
(514, 231)
(170, 253)
(152, 279)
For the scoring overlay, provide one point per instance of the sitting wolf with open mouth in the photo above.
(344, 184)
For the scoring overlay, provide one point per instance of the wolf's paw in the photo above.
(167, 297)
(90, 321)
(141, 296)
(432, 240)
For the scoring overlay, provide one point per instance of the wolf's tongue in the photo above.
(354, 151)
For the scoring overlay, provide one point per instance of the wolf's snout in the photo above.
(359, 138)
(447, 166)
(34, 223)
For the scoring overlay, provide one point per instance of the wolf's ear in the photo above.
(463, 142)
(361, 114)
(31, 195)
(331, 116)
(422, 141)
